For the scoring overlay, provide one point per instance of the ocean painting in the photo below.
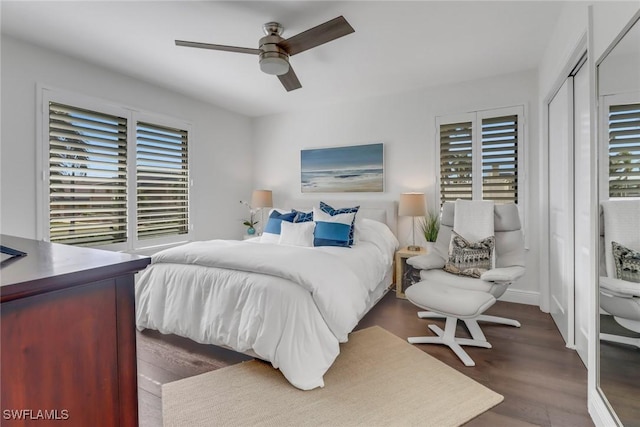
(356, 168)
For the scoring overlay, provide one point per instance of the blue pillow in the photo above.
(331, 234)
(271, 232)
(331, 211)
(302, 216)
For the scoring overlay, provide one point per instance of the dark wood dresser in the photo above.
(67, 331)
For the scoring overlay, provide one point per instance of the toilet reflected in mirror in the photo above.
(619, 196)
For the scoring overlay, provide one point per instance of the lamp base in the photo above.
(414, 248)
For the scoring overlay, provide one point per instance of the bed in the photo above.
(289, 305)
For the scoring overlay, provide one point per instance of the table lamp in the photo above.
(261, 199)
(413, 205)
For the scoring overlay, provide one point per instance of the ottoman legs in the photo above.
(448, 338)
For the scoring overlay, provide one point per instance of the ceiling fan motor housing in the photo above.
(273, 59)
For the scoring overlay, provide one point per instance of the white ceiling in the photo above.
(397, 46)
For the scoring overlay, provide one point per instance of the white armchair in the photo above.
(454, 297)
(618, 297)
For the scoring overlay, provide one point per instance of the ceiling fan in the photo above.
(274, 51)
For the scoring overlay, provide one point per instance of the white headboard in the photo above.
(383, 211)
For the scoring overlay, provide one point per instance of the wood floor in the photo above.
(544, 383)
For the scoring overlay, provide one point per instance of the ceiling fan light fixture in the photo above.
(274, 63)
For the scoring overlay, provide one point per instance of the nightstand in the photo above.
(405, 274)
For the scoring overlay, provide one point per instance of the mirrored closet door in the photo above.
(618, 82)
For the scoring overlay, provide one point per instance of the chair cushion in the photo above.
(623, 288)
(503, 275)
(460, 282)
(426, 261)
(626, 308)
(509, 249)
(506, 217)
(450, 301)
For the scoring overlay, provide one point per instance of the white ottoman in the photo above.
(453, 303)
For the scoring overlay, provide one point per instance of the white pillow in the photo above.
(297, 233)
(368, 230)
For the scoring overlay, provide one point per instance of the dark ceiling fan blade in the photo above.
(290, 80)
(218, 47)
(316, 36)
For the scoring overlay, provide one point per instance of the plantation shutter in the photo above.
(162, 173)
(624, 150)
(456, 161)
(500, 159)
(87, 176)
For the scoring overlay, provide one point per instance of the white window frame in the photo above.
(133, 116)
(476, 117)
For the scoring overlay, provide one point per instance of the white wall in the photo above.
(570, 27)
(220, 143)
(609, 18)
(405, 123)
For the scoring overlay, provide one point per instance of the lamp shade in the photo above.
(412, 204)
(261, 199)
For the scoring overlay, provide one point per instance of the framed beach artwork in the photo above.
(355, 168)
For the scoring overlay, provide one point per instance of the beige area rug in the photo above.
(377, 380)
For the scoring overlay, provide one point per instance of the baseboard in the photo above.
(599, 412)
(521, 297)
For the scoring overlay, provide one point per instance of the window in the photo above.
(162, 177)
(87, 176)
(624, 150)
(479, 155)
(500, 159)
(456, 161)
(113, 177)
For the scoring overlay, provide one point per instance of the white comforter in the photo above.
(289, 305)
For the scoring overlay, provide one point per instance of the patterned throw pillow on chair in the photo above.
(627, 263)
(470, 258)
